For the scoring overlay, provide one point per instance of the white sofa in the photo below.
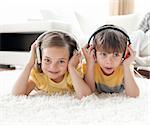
(80, 25)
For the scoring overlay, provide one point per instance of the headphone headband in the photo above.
(110, 26)
(113, 27)
(57, 31)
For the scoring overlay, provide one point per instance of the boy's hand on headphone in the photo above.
(89, 54)
(130, 58)
(75, 59)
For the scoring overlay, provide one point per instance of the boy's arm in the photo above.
(81, 88)
(131, 88)
(90, 61)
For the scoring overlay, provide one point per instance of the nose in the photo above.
(53, 66)
(109, 60)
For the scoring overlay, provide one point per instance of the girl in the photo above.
(56, 70)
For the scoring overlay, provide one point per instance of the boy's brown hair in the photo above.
(110, 40)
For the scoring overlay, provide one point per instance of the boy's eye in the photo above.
(103, 54)
(116, 54)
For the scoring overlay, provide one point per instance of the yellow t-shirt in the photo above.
(45, 84)
(108, 84)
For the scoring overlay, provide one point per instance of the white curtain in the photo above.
(121, 7)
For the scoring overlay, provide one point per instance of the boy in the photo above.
(107, 69)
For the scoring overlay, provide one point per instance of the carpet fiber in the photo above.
(68, 110)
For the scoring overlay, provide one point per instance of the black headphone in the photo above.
(114, 27)
(40, 39)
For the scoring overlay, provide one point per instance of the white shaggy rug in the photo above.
(67, 110)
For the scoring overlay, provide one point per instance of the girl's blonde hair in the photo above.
(59, 39)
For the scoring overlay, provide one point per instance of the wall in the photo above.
(22, 10)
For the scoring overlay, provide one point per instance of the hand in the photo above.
(89, 54)
(32, 53)
(131, 57)
(75, 59)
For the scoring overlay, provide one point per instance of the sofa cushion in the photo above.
(88, 22)
(64, 16)
(128, 22)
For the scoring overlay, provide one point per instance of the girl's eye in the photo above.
(61, 61)
(46, 60)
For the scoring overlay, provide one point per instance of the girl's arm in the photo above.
(23, 86)
(90, 61)
(81, 88)
(131, 88)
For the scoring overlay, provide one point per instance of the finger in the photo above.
(34, 44)
(90, 49)
(86, 46)
(130, 50)
(93, 52)
(78, 53)
(84, 51)
(74, 52)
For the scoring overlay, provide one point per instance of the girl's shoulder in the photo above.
(35, 72)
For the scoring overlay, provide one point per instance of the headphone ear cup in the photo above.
(127, 54)
(38, 54)
(39, 59)
(38, 66)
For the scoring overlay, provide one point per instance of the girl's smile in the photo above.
(55, 62)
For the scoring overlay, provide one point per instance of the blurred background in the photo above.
(23, 10)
